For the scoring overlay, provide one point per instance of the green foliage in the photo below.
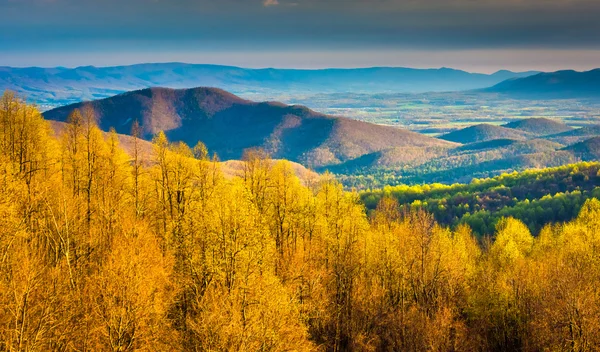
(536, 197)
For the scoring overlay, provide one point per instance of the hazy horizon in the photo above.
(478, 62)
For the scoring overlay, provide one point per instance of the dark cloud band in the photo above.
(298, 24)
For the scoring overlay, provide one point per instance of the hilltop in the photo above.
(154, 246)
(484, 151)
(483, 133)
(228, 125)
(539, 126)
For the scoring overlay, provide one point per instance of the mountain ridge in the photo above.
(60, 85)
(228, 125)
(552, 85)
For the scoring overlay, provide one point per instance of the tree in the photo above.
(130, 296)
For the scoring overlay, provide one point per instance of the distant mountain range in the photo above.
(50, 87)
(555, 85)
(228, 125)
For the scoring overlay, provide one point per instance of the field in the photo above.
(437, 113)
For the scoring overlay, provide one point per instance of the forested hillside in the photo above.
(103, 250)
(536, 197)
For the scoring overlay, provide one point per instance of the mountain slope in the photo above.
(483, 133)
(539, 126)
(228, 125)
(59, 86)
(230, 168)
(560, 84)
(125, 141)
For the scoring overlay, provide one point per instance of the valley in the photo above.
(437, 113)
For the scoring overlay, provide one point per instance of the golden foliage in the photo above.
(104, 251)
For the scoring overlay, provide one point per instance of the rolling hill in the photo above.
(483, 133)
(228, 125)
(490, 158)
(555, 85)
(539, 126)
(485, 151)
(59, 86)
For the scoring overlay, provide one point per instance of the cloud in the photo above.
(298, 24)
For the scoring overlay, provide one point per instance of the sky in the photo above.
(475, 35)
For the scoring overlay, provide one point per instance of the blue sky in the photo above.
(477, 35)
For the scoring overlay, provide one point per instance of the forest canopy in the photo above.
(536, 197)
(107, 250)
